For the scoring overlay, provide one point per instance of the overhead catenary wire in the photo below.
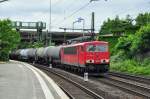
(58, 23)
(56, 19)
(78, 10)
(69, 16)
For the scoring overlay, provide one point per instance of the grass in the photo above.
(132, 66)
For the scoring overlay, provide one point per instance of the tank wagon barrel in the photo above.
(17, 53)
(31, 52)
(44, 54)
(47, 52)
(24, 53)
(54, 52)
(39, 52)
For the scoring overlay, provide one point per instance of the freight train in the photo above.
(92, 57)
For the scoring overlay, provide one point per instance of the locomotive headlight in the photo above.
(107, 60)
(89, 61)
(104, 60)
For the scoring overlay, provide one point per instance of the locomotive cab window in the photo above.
(97, 48)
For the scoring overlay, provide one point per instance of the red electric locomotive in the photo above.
(87, 56)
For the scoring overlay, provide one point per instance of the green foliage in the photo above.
(37, 45)
(132, 67)
(141, 43)
(135, 44)
(117, 57)
(23, 45)
(124, 44)
(131, 53)
(9, 39)
(130, 49)
(112, 41)
(146, 62)
(143, 19)
(118, 26)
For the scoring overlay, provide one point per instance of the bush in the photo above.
(133, 45)
(132, 67)
(133, 53)
(142, 42)
(146, 62)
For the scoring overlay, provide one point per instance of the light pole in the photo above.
(73, 25)
(50, 8)
(79, 20)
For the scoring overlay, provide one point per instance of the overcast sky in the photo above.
(38, 10)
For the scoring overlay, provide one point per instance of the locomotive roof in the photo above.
(83, 43)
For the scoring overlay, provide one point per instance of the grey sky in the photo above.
(38, 10)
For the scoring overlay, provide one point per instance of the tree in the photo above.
(118, 26)
(137, 44)
(141, 44)
(142, 19)
(9, 39)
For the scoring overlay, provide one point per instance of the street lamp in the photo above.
(79, 20)
(73, 25)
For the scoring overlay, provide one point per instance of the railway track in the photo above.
(91, 94)
(140, 89)
(131, 77)
(127, 87)
(132, 84)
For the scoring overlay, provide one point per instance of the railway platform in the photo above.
(19, 80)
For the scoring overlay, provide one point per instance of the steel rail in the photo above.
(86, 90)
(68, 93)
(131, 77)
(130, 90)
(141, 87)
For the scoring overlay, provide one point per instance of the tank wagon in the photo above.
(92, 57)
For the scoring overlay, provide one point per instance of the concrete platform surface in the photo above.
(19, 80)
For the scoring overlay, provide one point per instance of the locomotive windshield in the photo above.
(97, 48)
